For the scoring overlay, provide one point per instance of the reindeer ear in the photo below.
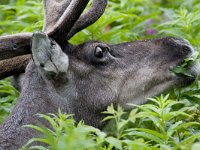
(48, 55)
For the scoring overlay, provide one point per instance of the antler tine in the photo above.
(88, 18)
(8, 68)
(14, 45)
(67, 20)
(54, 9)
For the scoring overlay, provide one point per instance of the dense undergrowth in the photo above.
(166, 122)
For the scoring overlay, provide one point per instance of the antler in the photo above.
(53, 11)
(8, 68)
(88, 18)
(14, 45)
(67, 20)
(85, 20)
(62, 19)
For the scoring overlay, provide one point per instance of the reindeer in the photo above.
(82, 79)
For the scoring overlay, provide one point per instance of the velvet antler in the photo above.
(14, 45)
(88, 18)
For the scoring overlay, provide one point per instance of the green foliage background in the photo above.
(166, 122)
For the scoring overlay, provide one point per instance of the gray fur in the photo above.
(85, 85)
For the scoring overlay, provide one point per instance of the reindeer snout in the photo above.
(178, 47)
(183, 45)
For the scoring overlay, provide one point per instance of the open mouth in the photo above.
(188, 70)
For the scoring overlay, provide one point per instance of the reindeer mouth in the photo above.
(188, 70)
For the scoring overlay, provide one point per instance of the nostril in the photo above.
(186, 49)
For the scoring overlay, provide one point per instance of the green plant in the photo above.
(8, 95)
(170, 123)
(21, 16)
(64, 133)
(161, 124)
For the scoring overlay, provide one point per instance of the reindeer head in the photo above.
(92, 75)
(128, 72)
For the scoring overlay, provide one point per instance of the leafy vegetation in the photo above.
(166, 122)
(8, 96)
(157, 125)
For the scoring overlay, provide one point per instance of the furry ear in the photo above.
(48, 55)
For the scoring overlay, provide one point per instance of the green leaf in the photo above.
(146, 135)
(190, 139)
(114, 142)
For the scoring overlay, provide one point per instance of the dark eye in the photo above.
(101, 52)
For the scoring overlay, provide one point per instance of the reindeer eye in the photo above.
(101, 52)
